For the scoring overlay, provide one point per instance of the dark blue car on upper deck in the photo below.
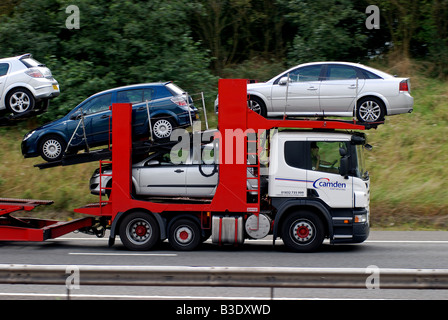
(169, 109)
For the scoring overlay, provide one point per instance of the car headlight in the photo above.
(28, 135)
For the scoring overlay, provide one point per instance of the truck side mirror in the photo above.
(343, 168)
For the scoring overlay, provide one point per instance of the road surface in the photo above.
(384, 249)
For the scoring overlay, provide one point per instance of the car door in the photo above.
(324, 178)
(201, 184)
(138, 97)
(97, 115)
(339, 88)
(79, 124)
(301, 94)
(161, 177)
(4, 67)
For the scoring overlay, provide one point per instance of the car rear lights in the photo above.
(34, 73)
(181, 102)
(404, 86)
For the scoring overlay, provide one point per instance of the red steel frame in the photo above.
(31, 229)
(231, 192)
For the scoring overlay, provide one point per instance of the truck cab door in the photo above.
(324, 177)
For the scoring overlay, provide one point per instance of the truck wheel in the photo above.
(184, 235)
(139, 231)
(303, 231)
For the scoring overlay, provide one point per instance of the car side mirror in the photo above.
(283, 81)
(76, 116)
(153, 163)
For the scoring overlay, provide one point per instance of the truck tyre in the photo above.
(184, 235)
(139, 231)
(303, 231)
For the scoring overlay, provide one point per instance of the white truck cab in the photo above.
(322, 173)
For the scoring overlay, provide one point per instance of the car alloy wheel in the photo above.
(370, 110)
(256, 105)
(162, 128)
(20, 101)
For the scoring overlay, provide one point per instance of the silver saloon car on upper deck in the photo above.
(334, 89)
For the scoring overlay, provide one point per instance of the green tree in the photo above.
(118, 43)
(403, 20)
(326, 30)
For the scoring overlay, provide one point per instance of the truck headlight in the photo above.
(361, 218)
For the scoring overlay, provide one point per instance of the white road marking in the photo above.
(120, 296)
(122, 254)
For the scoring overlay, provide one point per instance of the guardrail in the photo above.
(276, 277)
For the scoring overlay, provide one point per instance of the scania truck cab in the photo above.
(322, 176)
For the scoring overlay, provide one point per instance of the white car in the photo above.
(157, 175)
(331, 89)
(25, 83)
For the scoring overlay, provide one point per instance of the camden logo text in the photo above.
(326, 183)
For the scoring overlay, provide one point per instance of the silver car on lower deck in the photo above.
(160, 175)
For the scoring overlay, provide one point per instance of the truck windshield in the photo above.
(360, 170)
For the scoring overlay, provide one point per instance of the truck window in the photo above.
(325, 156)
(314, 155)
(295, 152)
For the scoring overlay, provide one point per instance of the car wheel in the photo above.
(184, 234)
(303, 231)
(20, 100)
(52, 148)
(139, 231)
(370, 109)
(257, 105)
(162, 128)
